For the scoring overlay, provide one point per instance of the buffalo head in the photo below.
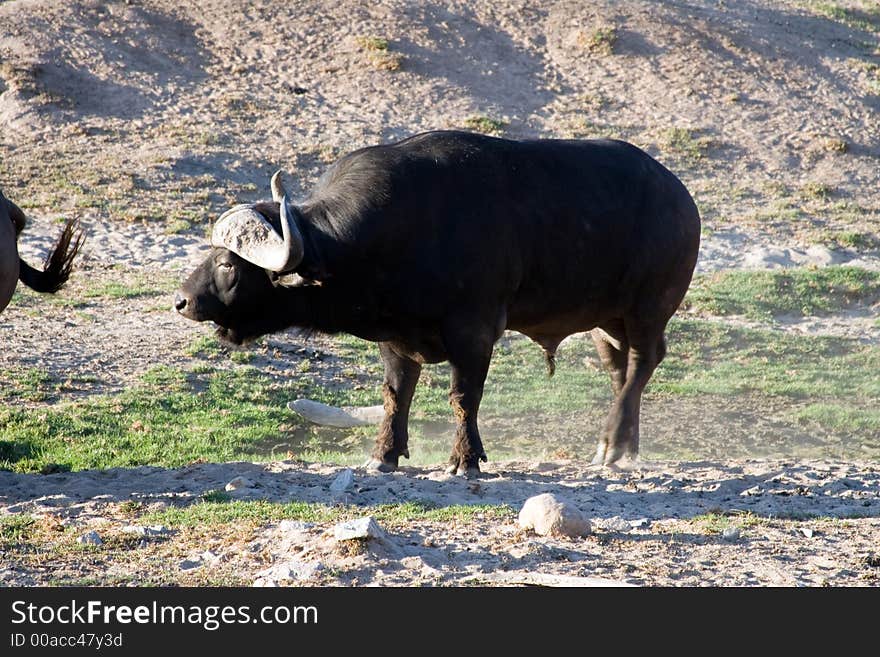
(253, 245)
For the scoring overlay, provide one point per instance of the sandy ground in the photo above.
(792, 523)
(147, 119)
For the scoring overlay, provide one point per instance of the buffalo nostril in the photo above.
(179, 302)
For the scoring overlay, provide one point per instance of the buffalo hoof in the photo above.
(468, 472)
(463, 467)
(375, 466)
(614, 455)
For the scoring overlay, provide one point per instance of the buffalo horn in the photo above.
(245, 231)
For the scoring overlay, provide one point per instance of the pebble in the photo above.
(288, 526)
(730, 533)
(360, 528)
(190, 564)
(548, 514)
(344, 480)
(239, 483)
(806, 531)
(288, 571)
(615, 524)
(90, 538)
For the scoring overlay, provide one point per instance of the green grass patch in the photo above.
(205, 346)
(842, 417)
(170, 418)
(26, 383)
(173, 417)
(260, 512)
(717, 359)
(765, 294)
(16, 528)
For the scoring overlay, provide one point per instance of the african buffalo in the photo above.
(58, 264)
(434, 245)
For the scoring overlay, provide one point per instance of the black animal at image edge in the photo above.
(57, 267)
(434, 245)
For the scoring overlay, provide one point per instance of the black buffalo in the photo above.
(56, 269)
(434, 245)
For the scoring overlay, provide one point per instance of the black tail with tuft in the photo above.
(58, 264)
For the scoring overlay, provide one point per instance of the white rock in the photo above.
(360, 528)
(239, 483)
(730, 533)
(90, 538)
(640, 523)
(547, 514)
(344, 480)
(807, 532)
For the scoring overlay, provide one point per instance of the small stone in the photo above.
(412, 563)
(730, 533)
(754, 490)
(288, 571)
(344, 480)
(190, 564)
(209, 557)
(239, 483)
(547, 514)
(615, 524)
(90, 538)
(360, 528)
(806, 531)
(640, 523)
(288, 526)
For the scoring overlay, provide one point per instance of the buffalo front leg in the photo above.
(621, 435)
(469, 357)
(401, 377)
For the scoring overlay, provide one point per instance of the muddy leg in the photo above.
(621, 435)
(613, 349)
(469, 356)
(401, 377)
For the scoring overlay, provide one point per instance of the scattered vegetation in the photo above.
(379, 54)
(600, 41)
(485, 124)
(686, 143)
(866, 18)
(836, 145)
(715, 522)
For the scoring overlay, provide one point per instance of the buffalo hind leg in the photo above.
(469, 355)
(401, 377)
(621, 435)
(613, 349)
